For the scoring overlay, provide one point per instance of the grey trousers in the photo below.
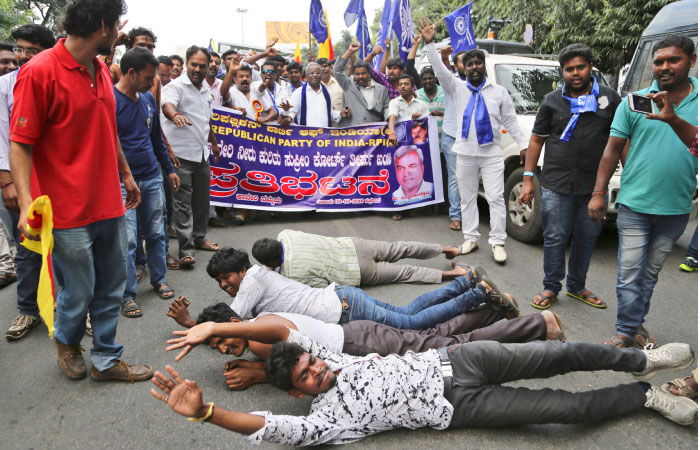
(479, 368)
(191, 205)
(363, 337)
(377, 261)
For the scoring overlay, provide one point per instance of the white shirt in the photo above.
(316, 108)
(498, 102)
(265, 290)
(239, 100)
(215, 91)
(449, 121)
(281, 94)
(372, 394)
(7, 84)
(329, 335)
(367, 93)
(188, 142)
(403, 110)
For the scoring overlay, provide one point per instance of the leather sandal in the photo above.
(621, 341)
(171, 262)
(455, 225)
(207, 247)
(164, 291)
(187, 261)
(682, 388)
(131, 309)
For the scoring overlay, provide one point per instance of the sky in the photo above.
(187, 22)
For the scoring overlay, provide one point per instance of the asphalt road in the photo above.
(41, 408)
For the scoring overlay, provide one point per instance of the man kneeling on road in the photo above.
(361, 337)
(257, 289)
(317, 260)
(456, 386)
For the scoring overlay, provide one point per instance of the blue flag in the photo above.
(459, 25)
(352, 11)
(362, 32)
(402, 23)
(317, 22)
(384, 32)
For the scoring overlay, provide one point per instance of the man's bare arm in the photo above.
(21, 166)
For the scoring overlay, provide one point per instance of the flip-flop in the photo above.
(130, 306)
(171, 262)
(584, 299)
(187, 261)
(140, 273)
(551, 298)
(455, 225)
(475, 273)
(207, 247)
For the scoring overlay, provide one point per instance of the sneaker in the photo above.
(21, 326)
(669, 356)
(689, 265)
(468, 247)
(122, 371)
(680, 410)
(499, 253)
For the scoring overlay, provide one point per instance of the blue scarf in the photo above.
(582, 104)
(326, 95)
(482, 121)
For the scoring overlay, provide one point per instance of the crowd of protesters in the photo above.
(123, 151)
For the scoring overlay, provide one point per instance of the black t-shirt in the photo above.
(571, 167)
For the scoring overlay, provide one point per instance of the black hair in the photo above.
(473, 53)
(245, 69)
(295, 66)
(574, 51)
(458, 55)
(419, 124)
(137, 58)
(269, 62)
(84, 17)
(219, 313)
(268, 251)
(395, 62)
(228, 52)
(676, 40)
(193, 50)
(361, 64)
(277, 59)
(179, 58)
(227, 260)
(427, 69)
(280, 362)
(162, 59)
(36, 34)
(140, 31)
(215, 54)
(405, 76)
(6, 46)
(322, 61)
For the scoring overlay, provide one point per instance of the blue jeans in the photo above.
(693, 247)
(426, 311)
(446, 144)
(90, 265)
(148, 218)
(562, 216)
(645, 241)
(28, 265)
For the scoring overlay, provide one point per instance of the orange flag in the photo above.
(325, 50)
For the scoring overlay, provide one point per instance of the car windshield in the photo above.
(527, 84)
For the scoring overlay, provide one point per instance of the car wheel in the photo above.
(523, 222)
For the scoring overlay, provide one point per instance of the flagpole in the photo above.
(364, 48)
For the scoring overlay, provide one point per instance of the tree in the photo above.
(47, 13)
(346, 38)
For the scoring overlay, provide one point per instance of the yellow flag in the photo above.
(297, 53)
(325, 50)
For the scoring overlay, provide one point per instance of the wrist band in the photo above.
(527, 173)
(6, 184)
(594, 193)
(206, 417)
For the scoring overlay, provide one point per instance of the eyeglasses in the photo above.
(28, 51)
(268, 71)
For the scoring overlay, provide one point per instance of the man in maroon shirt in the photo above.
(63, 128)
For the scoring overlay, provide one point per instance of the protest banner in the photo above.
(263, 166)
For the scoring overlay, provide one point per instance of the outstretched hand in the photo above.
(196, 335)
(182, 396)
(427, 30)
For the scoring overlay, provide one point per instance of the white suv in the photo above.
(528, 80)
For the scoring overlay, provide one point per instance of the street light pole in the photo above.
(242, 11)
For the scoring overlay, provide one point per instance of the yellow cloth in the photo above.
(40, 220)
(297, 53)
(325, 50)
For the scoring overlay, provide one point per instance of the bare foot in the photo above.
(450, 252)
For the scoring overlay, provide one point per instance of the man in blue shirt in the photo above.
(656, 189)
(138, 125)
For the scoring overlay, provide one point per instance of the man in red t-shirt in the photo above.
(63, 128)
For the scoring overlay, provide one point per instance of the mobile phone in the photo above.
(641, 104)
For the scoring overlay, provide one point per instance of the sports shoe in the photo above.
(689, 265)
(468, 247)
(21, 326)
(122, 371)
(669, 356)
(680, 410)
(499, 253)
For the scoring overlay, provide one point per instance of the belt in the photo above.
(446, 370)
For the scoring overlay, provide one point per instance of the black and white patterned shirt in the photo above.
(372, 394)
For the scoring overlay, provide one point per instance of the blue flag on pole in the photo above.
(362, 32)
(352, 11)
(402, 23)
(459, 25)
(384, 32)
(317, 22)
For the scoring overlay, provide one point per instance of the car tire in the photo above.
(522, 222)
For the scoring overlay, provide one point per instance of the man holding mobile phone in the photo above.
(656, 188)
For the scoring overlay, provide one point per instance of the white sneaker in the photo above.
(499, 253)
(680, 410)
(468, 247)
(669, 356)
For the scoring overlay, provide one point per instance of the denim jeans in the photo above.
(426, 311)
(90, 264)
(693, 247)
(28, 266)
(645, 240)
(147, 217)
(446, 144)
(562, 216)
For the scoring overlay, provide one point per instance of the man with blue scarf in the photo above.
(574, 123)
(485, 108)
(311, 104)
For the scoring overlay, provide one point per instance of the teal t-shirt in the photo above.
(659, 176)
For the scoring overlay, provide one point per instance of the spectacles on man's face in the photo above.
(269, 71)
(31, 51)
